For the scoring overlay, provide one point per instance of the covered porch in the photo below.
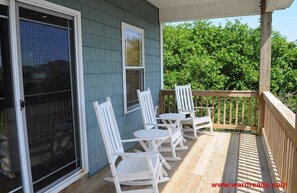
(227, 160)
(261, 155)
(256, 143)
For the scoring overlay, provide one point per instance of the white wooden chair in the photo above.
(141, 168)
(185, 105)
(150, 123)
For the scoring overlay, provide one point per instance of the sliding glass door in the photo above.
(49, 86)
(40, 127)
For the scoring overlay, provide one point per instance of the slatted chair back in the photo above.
(184, 98)
(147, 108)
(109, 129)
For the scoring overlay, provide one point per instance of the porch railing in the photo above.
(232, 109)
(239, 110)
(280, 136)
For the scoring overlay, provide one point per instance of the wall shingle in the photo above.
(102, 57)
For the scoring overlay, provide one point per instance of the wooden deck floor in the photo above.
(213, 158)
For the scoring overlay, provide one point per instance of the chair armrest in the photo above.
(139, 154)
(191, 113)
(138, 140)
(162, 125)
(186, 111)
(159, 118)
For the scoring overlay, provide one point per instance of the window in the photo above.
(133, 65)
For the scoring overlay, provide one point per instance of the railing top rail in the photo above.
(223, 93)
(283, 115)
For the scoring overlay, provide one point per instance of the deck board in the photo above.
(213, 158)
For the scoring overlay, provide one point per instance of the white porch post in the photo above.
(265, 60)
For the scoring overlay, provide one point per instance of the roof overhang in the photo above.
(183, 10)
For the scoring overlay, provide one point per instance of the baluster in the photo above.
(249, 112)
(168, 104)
(292, 166)
(201, 105)
(224, 115)
(219, 110)
(213, 111)
(255, 113)
(283, 152)
(196, 103)
(236, 113)
(230, 111)
(206, 98)
(242, 111)
(174, 104)
(162, 102)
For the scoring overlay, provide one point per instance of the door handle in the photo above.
(22, 104)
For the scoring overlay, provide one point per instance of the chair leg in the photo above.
(173, 145)
(186, 136)
(194, 131)
(154, 180)
(117, 184)
(162, 175)
(181, 144)
(173, 152)
(154, 184)
(184, 139)
(164, 162)
(211, 127)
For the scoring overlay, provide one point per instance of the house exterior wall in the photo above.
(102, 63)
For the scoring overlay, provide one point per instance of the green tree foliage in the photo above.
(225, 58)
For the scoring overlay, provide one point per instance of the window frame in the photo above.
(125, 68)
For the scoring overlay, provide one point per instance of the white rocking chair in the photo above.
(150, 123)
(142, 168)
(185, 105)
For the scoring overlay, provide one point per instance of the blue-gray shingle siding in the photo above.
(102, 62)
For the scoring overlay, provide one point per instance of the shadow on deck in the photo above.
(213, 163)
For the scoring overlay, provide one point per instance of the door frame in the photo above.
(18, 93)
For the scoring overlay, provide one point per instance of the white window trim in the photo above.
(125, 26)
(79, 78)
(161, 54)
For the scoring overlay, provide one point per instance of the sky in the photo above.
(284, 21)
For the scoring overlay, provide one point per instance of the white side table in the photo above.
(175, 118)
(154, 138)
(172, 118)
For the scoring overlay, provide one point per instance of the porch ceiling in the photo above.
(177, 10)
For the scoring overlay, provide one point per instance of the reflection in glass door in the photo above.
(50, 95)
(10, 176)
